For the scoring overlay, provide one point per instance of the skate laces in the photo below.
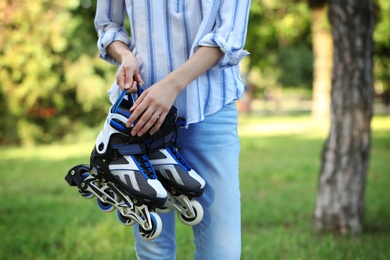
(173, 151)
(146, 166)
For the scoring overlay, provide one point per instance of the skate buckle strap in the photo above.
(128, 149)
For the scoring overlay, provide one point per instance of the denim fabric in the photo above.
(212, 148)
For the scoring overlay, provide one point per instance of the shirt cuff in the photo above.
(233, 55)
(106, 38)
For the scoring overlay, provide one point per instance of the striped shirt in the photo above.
(165, 33)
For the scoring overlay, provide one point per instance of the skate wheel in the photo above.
(106, 206)
(127, 221)
(84, 193)
(198, 210)
(156, 229)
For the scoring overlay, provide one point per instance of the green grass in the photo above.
(41, 217)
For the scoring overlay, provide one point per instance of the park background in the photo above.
(53, 103)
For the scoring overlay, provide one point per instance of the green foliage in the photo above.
(296, 63)
(41, 217)
(279, 41)
(50, 72)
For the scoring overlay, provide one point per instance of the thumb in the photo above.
(122, 77)
(138, 78)
(128, 81)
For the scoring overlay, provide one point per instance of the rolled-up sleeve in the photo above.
(229, 32)
(109, 20)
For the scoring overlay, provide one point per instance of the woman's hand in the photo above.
(128, 74)
(151, 108)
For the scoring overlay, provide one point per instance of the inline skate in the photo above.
(182, 183)
(120, 174)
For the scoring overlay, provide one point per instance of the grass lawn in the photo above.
(41, 217)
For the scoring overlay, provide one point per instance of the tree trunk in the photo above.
(323, 63)
(345, 156)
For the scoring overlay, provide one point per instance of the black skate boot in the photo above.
(120, 158)
(182, 183)
(120, 174)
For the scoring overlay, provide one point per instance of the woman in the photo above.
(185, 53)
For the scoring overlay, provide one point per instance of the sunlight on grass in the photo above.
(281, 125)
(48, 152)
(250, 125)
(381, 123)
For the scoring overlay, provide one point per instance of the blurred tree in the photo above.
(345, 156)
(49, 71)
(322, 65)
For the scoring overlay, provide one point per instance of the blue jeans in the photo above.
(212, 148)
